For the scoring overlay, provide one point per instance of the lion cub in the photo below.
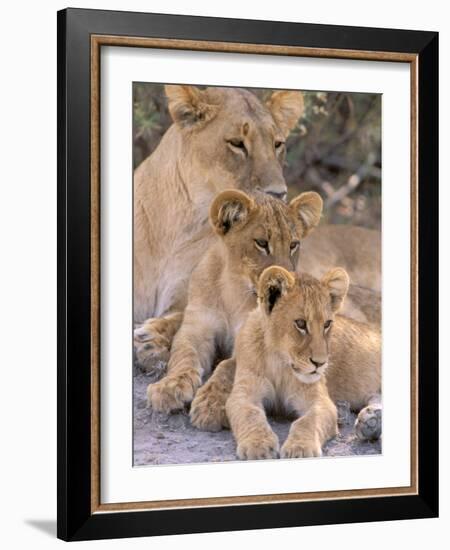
(254, 232)
(282, 353)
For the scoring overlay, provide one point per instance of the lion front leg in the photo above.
(254, 437)
(309, 433)
(153, 340)
(208, 408)
(191, 357)
(368, 423)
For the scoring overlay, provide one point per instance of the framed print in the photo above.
(247, 287)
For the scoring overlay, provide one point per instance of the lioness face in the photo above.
(234, 139)
(259, 231)
(300, 311)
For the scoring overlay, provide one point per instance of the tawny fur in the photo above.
(356, 249)
(175, 185)
(363, 304)
(194, 161)
(268, 348)
(253, 232)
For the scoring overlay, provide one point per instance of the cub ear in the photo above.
(229, 209)
(273, 283)
(286, 108)
(336, 282)
(308, 208)
(189, 105)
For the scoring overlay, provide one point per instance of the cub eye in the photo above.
(301, 325)
(262, 244)
(237, 144)
(327, 324)
(294, 246)
(279, 144)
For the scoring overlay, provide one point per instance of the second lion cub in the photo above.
(253, 232)
(282, 353)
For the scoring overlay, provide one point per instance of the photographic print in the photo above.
(247, 274)
(256, 274)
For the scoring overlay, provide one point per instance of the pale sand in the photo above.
(171, 439)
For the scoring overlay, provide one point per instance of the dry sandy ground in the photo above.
(171, 439)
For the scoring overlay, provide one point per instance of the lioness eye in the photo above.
(279, 144)
(327, 324)
(262, 244)
(301, 325)
(294, 245)
(237, 144)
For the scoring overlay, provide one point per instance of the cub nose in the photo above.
(317, 364)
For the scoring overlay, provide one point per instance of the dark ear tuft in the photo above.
(274, 282)
(273, 293)
(230, 209)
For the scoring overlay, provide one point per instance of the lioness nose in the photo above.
(317, 364)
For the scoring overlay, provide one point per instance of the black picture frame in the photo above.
(76, 521)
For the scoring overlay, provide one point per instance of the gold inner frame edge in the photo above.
(97, 41)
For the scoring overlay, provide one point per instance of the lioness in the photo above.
(290, 335)
(254, 232)
(282, 354)
(221, 138)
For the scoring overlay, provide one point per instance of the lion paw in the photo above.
(208, 411)
(172, 392)
(257, 447)
(151, 349)
(295, 448)
(368, 423)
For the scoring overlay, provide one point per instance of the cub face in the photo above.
(259, 231)
(299, 312)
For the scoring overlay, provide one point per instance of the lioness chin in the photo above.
(295, 354)
(254, 232)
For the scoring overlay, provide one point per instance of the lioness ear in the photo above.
(229, 209)
(336, 281)
(308, 208)
(189, 105)
(273, 283)
(286, 108)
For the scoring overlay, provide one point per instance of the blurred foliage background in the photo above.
(335, 149)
